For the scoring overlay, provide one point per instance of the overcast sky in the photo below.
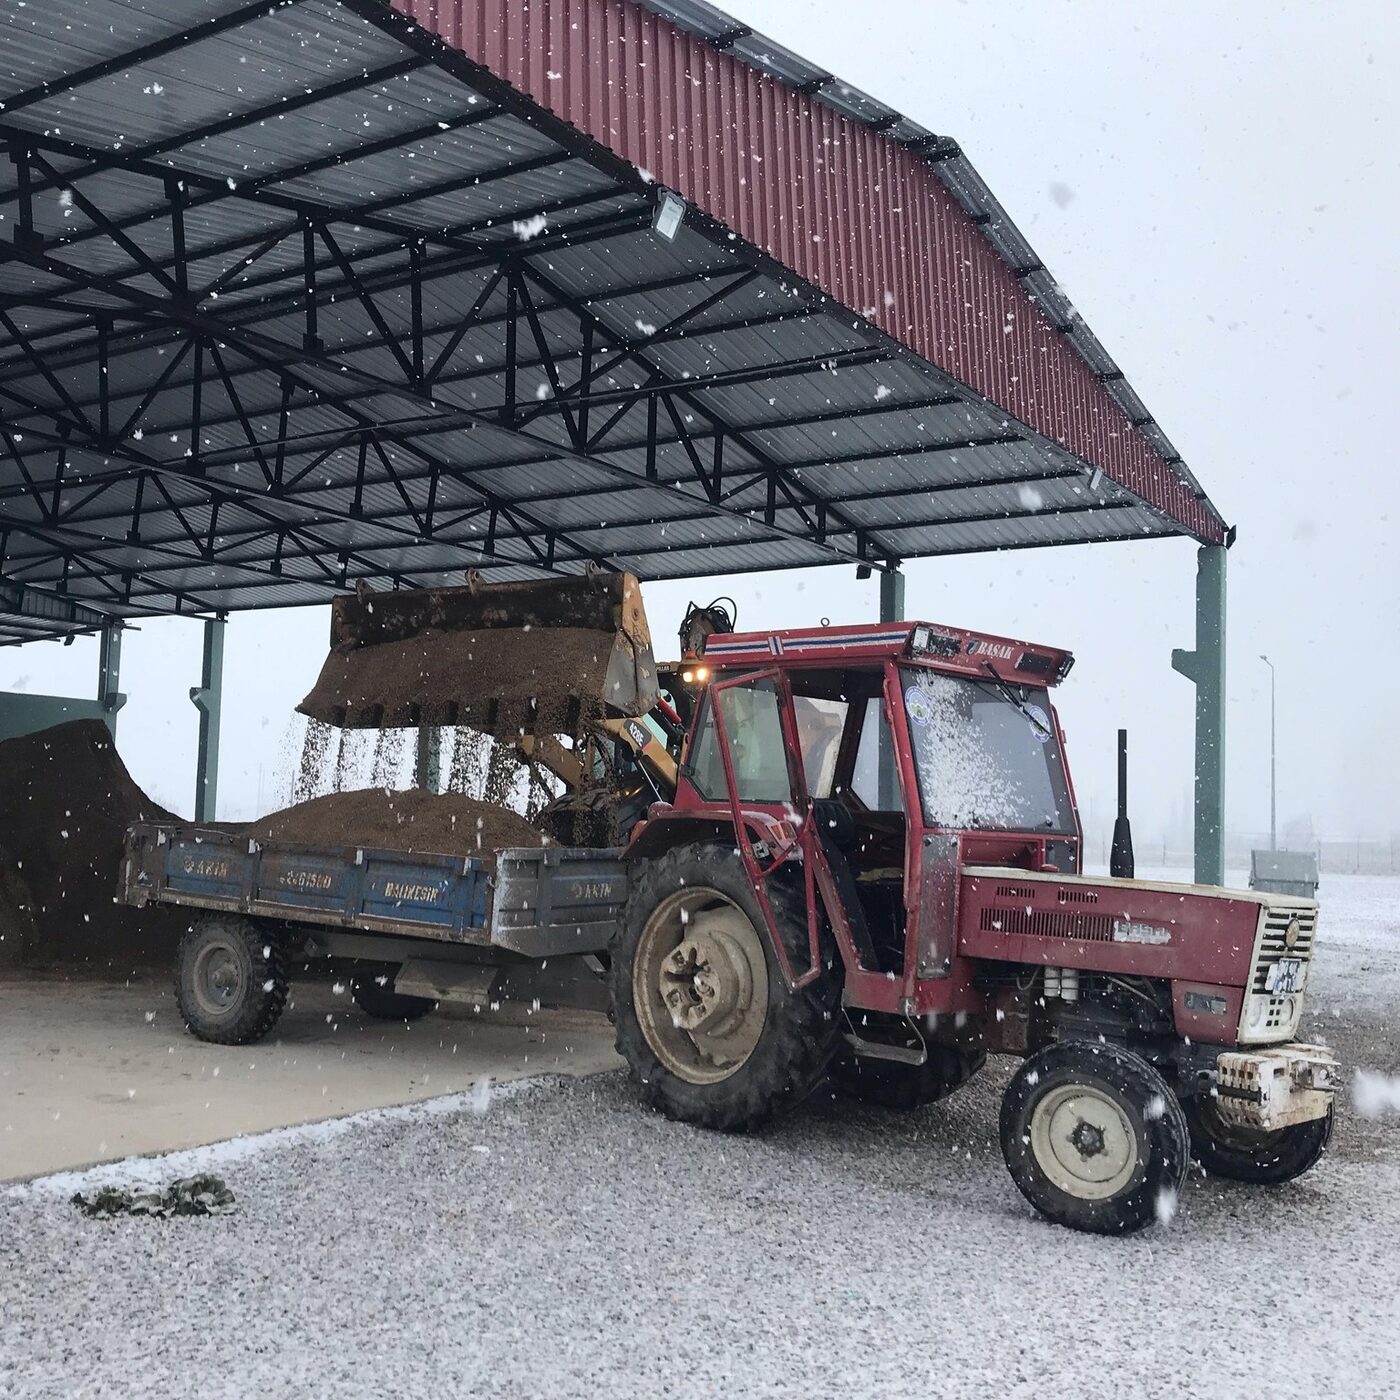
(1216, 189)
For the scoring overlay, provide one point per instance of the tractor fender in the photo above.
(668, 827)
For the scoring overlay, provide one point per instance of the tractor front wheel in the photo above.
(710, 1030)
(1095, 1138)
(1248, 1154)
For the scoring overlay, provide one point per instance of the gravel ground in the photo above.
(558, 1240)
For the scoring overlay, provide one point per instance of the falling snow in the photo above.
(526, 229)
(1376, 1095)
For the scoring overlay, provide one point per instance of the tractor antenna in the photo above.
(1120, 860)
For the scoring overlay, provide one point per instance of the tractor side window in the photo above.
(757, 749)
(874, 740)
(820, 724)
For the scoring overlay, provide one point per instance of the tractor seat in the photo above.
(835, 824)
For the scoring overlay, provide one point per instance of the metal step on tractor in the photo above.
(852, 855)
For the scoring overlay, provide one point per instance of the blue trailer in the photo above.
(416, 928)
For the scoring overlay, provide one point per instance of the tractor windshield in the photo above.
(987, 755)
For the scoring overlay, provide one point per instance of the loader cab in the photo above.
(909, 768)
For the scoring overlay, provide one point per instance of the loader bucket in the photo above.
(541, 656)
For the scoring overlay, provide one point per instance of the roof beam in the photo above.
(237, 121)
(623, 344)
(287, 174)
(21, 600)
(289, 360)
(609, 225)
(264, 196)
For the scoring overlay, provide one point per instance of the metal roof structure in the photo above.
(299, 292)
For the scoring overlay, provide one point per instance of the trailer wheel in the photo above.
(709, 1029)
(230, 979)
(904, 1088)
(378, 999)
(1244, 1154)
(1094, 1138)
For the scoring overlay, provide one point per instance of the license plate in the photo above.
(1284, 976)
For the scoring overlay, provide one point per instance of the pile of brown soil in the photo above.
(66, 801)
(500, 681)
(441, 823)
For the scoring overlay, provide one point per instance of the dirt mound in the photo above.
(443, 823)
(66, 801)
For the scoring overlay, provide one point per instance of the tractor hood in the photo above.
(1218, 947)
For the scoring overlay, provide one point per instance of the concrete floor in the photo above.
(95, 1071)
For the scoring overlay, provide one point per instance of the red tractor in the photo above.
(870, 873)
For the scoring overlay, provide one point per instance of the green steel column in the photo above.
(208, 697)
(109, 673)
(891, 610)
(1205, 667)
(427, 765)
(892, 595)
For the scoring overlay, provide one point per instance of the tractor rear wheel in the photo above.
(230, 979)
(376, 997)
(710, 1030)
(1094, 1138)
(1247, 1154)
(903, 1088)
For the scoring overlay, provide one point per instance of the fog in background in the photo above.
(1216, 189)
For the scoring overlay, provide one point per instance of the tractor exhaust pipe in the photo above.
(1120, 860)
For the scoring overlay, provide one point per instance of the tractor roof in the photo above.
(949, 648)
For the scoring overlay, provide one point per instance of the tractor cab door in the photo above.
(933, 857)
(748, 748)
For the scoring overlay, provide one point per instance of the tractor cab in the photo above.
(899, 752)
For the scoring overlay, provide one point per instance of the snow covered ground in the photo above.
(558, 1240)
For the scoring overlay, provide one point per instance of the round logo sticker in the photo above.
(1041, 728)
(917, 703)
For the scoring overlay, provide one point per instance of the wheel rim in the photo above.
(700, 985)
(1084, 1141)
(218, 978)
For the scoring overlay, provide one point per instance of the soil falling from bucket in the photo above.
(311, 769)
(387, 764)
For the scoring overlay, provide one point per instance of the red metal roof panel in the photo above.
(845, 207)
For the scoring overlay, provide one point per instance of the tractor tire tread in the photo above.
(1279, 1157)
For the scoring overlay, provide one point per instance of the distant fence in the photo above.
(1335, 855)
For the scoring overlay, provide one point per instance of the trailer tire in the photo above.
(1260, 1158)
(230, 979)
(758, 1048)
(1094, 1138)
(383, 1003)
(903, 1088)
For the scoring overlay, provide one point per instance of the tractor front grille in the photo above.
(1267, 1016)
(1273, 939)
(1049, 923)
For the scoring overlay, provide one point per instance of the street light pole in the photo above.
(1273, 758)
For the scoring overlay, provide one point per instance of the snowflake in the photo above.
(526, 229)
